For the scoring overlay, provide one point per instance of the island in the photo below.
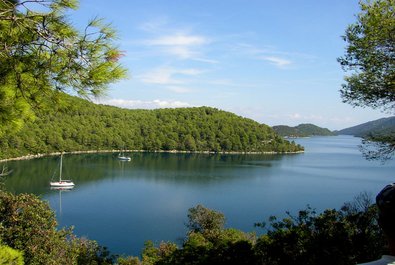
(302, 130)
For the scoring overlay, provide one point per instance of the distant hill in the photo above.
(382, 126)
(302, 130)
(83, 126)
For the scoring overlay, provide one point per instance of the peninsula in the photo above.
(80, 125)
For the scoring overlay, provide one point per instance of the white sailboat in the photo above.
(123, 157)
(66, 184)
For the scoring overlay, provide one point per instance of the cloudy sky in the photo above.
(272, 61)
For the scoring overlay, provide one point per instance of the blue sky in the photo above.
(271, 61)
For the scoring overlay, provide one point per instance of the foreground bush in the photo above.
(347, 236)
(28, 224)
(332, 237)
(9, 256)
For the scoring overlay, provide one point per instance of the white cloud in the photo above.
(182, 45)
(232, 83)
(170, 104)
(277, 61)
(168, 76)
(190, 71)
(182, 52)
(178, 40)
(295, 116)
(205, 60)
(305, 118)
(280, 59)
(154, 25)
(179, 43)
(253, 50)
(162, 76)
(141, 104)
(179, 89)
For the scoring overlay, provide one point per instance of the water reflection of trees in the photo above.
(34, 175)
(194, 168)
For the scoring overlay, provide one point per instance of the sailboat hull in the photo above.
(62, 184)
(124, 158)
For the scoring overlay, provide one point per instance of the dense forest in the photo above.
(302, 130)
(80, 125)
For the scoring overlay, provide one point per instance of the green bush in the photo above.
(9, 256)
(28, 224)
(347, 236)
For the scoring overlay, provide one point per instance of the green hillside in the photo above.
(384, 126)
(83, 125)
(302, 130)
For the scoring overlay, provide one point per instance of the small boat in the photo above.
(62, 188)
(123, 157)
(66, 184)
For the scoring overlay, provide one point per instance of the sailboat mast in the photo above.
(60, 170)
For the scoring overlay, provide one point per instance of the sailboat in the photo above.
(67, 184)
(123, 157)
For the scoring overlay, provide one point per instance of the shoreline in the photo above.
(28, 157)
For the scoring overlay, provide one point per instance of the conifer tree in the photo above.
(42, 55)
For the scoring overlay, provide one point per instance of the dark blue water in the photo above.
(123, 204)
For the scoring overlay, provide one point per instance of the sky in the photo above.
(272, 61)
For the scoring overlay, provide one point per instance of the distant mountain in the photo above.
(302, 130)
(382, 126)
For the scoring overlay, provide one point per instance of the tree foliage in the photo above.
(370, 56)
(27, 224)
(204, 220)
(370, 60)
(41, 54)
(10, 256)
(347, 236)
(302, 130)
(379, 147)
(87, 126)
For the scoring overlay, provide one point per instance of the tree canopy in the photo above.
(42, 54)
(370, 61)
(87, 126)
(346, 236)
(28, 233)
(302, 130)
(370, 56)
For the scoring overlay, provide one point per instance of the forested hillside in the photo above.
(382, 126)
(82, 125)
(302, 130)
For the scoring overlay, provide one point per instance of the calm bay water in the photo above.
(122, 204)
